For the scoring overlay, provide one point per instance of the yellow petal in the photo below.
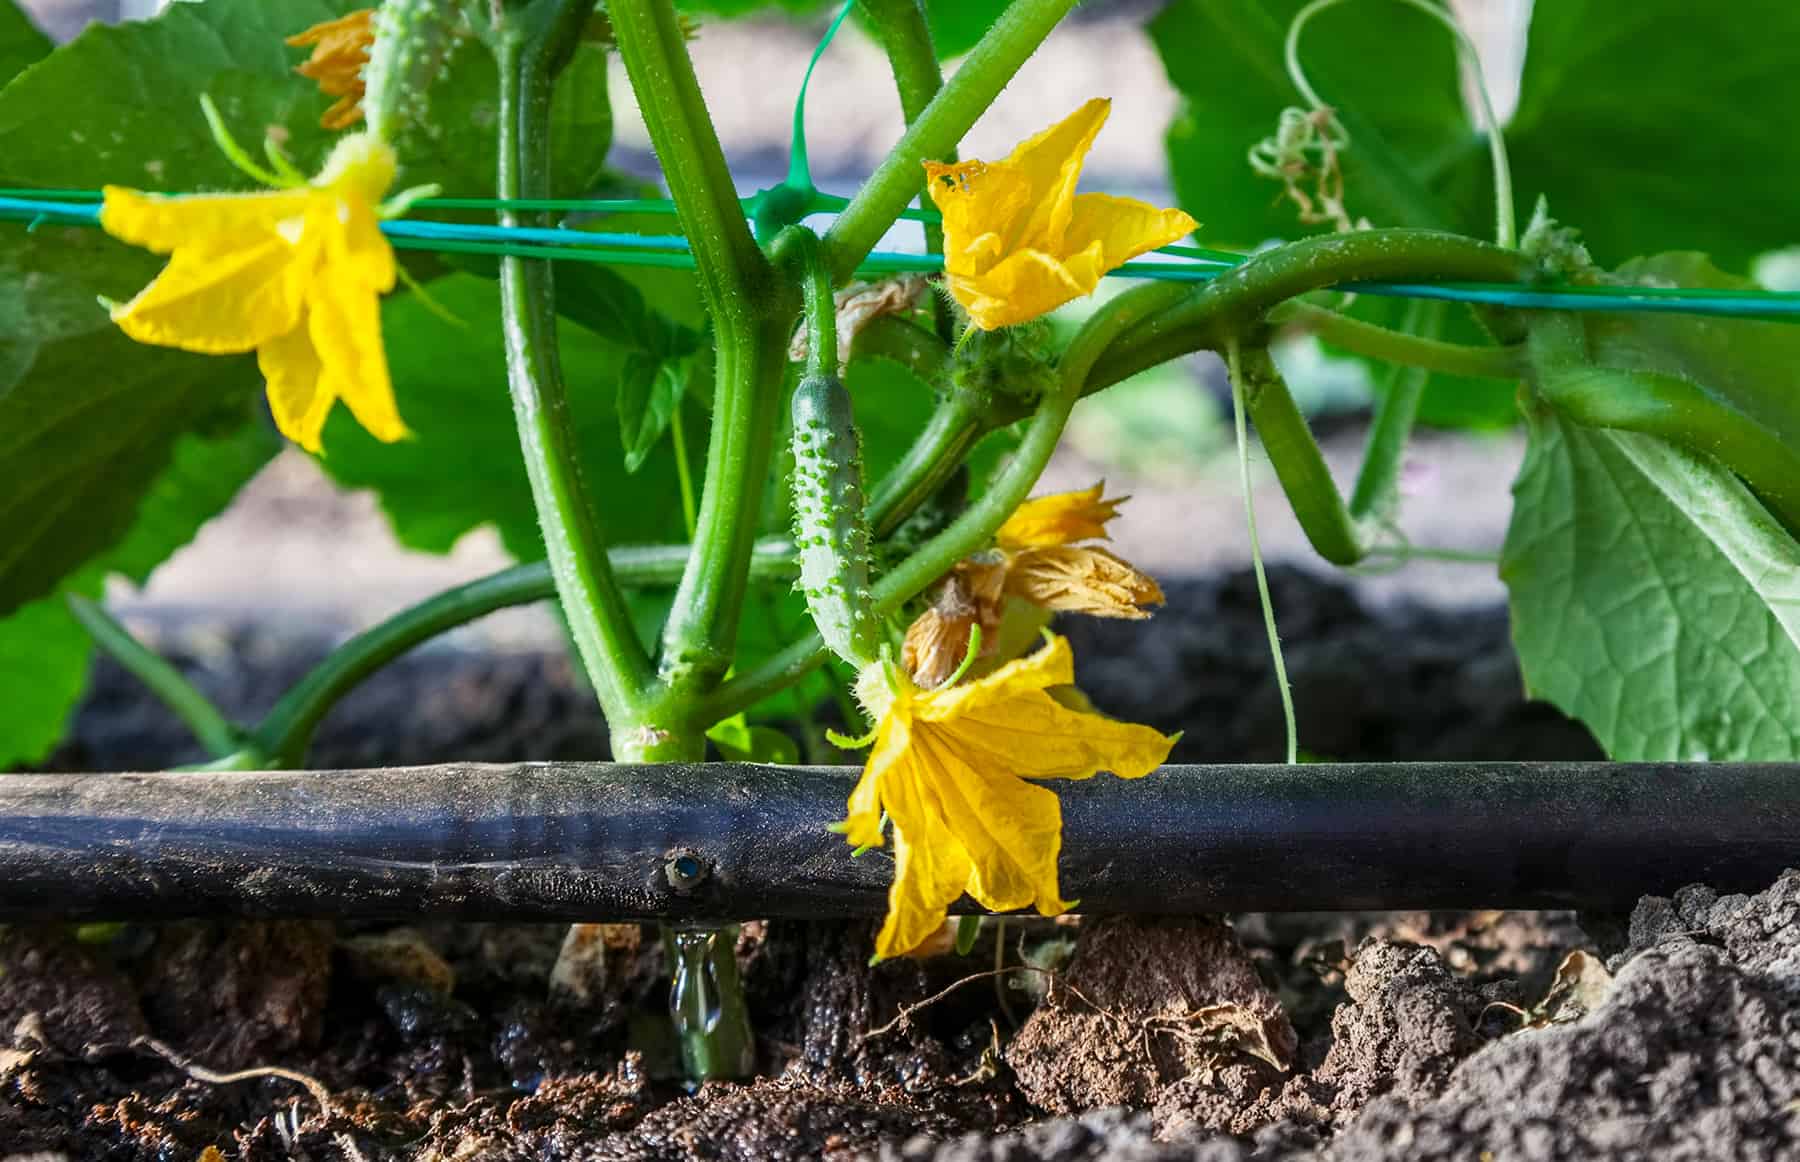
(982, 206)
(1123, 227)
(1010, 830)
(1062, 518)
(160, 223)
(297, 396)
(357, 254)
(930, 867)
(1054, 665)
(220, 302)
(1021, 287)
(1078, 579)
(1034, 736)
(862, 820)
(345, 324)
(1051, 162)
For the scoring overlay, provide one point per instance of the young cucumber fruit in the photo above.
(830, 528)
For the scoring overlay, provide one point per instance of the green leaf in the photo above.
(740, 742)
(44, 652)
(1406, 124)
(87, 417)
(462, 469)
(21, 44)
(126, 99)
(44, 656)
(1653, 598)
(1670, 125)
(650, 390)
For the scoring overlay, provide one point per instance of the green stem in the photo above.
(956, 425)
(1234, 367)
(1378, 481)
(287, 730)
(913, 347)
(901, 28)
(529, 44)
(963, 99)
(218, 734)
(976, 526)
(684, 474)
(1403, 347)
(1240, 298)
(751, 312)
(820, 303)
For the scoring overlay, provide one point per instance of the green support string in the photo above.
(1175, 263)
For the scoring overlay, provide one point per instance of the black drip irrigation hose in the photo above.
(731, 841)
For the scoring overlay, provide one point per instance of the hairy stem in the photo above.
(751, 311)
(955, 426)
(1240, 298)
(964, 98)
(901, 28)
(287, 730)
(529, 45)
(1405, 347)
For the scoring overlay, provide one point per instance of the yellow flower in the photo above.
(1019, 241)
(340, 54)
(1036, 562)
(950, 769)
(294, 274)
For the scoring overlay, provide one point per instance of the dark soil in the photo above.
(1675, 1034)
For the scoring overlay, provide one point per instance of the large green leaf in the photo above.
(462, 469)
(1663, 124)
(44, 652)
(87, 418)
(1653, 598)
(21, 44)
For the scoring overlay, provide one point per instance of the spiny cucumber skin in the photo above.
(830, 527)
(413, 41)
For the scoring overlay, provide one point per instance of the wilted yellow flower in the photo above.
(938, 639)
(294, 274)
(1079, 579)
(1036, 561)
(1019, 241)
(950, 769)
(340, 54)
